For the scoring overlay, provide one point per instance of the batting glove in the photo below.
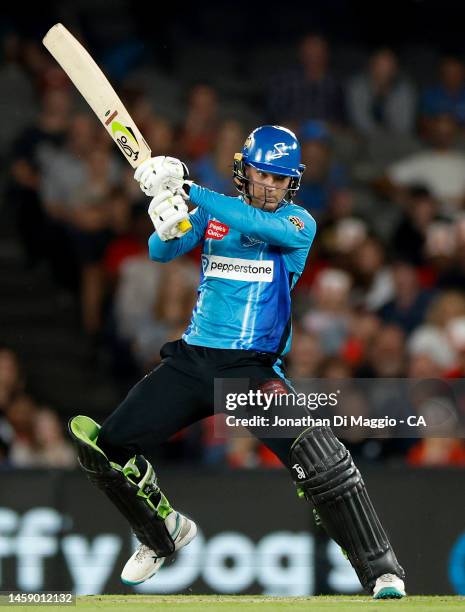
(156, 174)
(167, 212)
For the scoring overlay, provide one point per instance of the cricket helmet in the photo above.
(272, 149)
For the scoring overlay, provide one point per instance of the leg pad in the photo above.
(327, 475)
(132, 489)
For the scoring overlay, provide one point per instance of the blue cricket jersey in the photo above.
(251, 260)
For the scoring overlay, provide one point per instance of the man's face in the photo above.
(443, 130)
(266, 190)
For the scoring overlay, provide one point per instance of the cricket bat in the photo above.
(100, 95)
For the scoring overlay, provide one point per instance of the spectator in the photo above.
(455, 332)
(215, 171)
(53, 449)
(38, 439)
(441, 168)
(409, 236)
(381, 98)
(364, 326)
(22, 413)
(373, 279)
(305, 355)
(11, 384)
(448, 94)
(440, 255)
(430, 353)
(11, 377)
(338, 239)
(408, 308)
(132, 280)
(18, 97)
(173, 306)
(334, 368)
(307, 91)
(76, 189)
(323, 176)
(330, 315)
(386, 356)
(199, 132)
(339, 230)
(449, 265)
(31, 154)
(160, 134)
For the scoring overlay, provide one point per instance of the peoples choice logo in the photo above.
(234, 268)
(279, 151)
(216, 230)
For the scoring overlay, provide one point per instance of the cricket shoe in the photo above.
(389, 586)
(144, 563)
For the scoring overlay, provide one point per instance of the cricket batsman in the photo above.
(254, 250)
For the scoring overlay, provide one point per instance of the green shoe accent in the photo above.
(389, 593)
(86, 429)
(147, 487)
(131, 469)
(164, 508)
(316, 518)
(300, 493)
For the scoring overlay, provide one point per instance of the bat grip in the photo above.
(184, 226)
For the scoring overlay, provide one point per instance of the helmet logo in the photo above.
(279, 151)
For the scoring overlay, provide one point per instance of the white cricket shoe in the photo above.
(144, 563)
(389, 586)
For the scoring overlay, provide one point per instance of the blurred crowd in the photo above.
(383, 292)
(31, 434)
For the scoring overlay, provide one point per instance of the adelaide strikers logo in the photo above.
(123, 135)
(297, 221)
(279, 151)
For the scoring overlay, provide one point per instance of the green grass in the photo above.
(213, 603)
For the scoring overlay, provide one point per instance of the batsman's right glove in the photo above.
(159, 173)
(169, 214)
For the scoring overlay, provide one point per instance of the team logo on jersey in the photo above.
(249, 241)
(279, 151)
(297, 221)
(216, 230)
(233, 268)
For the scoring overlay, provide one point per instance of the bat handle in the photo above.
(184, 226)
